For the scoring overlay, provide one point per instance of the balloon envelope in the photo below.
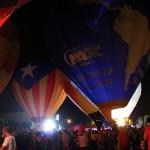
(9, 53)
(102, 48)
(37, 88)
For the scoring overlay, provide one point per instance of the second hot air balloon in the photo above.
(38, 90)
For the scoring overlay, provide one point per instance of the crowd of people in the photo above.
(115, 138)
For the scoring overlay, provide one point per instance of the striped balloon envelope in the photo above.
(38, 90)
(81, 101)
(9, 53)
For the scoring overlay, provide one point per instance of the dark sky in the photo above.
(24, 19)
(143, 106)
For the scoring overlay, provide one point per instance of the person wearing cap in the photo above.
(9, 140)
(147, 133)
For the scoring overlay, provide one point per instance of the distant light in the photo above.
(133, 126)
(57, 117)
(49, 125)
(59, 127)
(92, 122)
(69, 121)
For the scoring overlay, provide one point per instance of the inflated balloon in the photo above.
(7, 7)
(81, 101)
(38, 90)
(9, 53)
(103, 48)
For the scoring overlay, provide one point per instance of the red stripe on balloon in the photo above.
(25, 99)
(5, 13)
(35, 93)
(49, 90)
(16, 93)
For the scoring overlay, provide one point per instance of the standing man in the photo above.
(147, 133)
(9, 141)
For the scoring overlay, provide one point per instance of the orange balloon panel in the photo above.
(43, 98)
(9, 53)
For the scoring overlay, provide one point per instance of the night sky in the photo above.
(24, 19)
(143, 106)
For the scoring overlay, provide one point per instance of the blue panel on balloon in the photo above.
(103, 48)
(31, 72)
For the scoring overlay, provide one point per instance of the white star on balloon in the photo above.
(28, 70)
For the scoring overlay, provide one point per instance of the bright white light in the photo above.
(69, 121)
(121, 121)
(49, 125)
(59, 127)
(132, 126)
(57, 117)
(117, 113)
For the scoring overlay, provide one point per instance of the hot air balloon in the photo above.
(7, 7)
(9, 53)
(103, 48)
(38, 90)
